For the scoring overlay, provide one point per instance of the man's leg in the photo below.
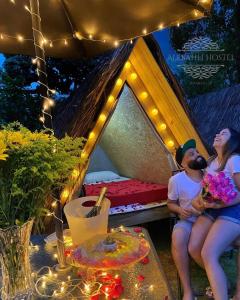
(180, 238)
(198, 235)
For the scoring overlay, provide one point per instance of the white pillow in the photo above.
(100, 176)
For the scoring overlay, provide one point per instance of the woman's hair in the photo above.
(230, 148)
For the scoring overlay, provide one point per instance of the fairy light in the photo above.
(144, 31)
(65, 194)
(65, 42)
(51, 44)
(90, 36)
(91, 135)
(143, 95)
(160, 27)
(116, 43)
(127, 65)
(75, 173)
(119, 82)
(1, 36)
(154, 112)
(170, 143)
(110, 99)
(133, 76)
(20, 38)
(178, 24)
(196, 13)
(131, 41)
(12, 1)
(162, 126)
(102, 117)
(78, 35)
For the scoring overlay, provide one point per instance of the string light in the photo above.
(133, 76)
(162, 126)
(1, 36)
(170, 143)
(91, 135)
(65, 194)
(102, 117)
(154, 112)
(110, 99)
(20, 38)
(144, 95)
(78, 35)
(127, 65)
(119, 82)
(75, 173)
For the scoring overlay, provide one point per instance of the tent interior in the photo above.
(131, 149)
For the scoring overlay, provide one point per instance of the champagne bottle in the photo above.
(97, 207)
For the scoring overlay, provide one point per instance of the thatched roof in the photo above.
(77, 116)
(215, 111)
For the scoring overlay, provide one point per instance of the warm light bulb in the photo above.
(43, 284)
(90, 36)
(54, 204)
(51, 44)
(65, 42)
(160, 27)
(91, 135)
(154, 112)
(133, 76)
(75, 173)
(170, 143)
(195, 12)
(27, 8)
(144, 95)
(1, 36)
(151, 287)
(110, 99)
(162, 126)
(102, 117)
(42, 119)
(144, 31)
(116, 43)
(131, 41)
(178, 24)
(78, 35)
(20, 38)
(13, 1)
(127, 65)
(119, 82)
(34, 60)
(65, 194)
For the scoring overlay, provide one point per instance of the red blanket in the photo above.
(130, 192)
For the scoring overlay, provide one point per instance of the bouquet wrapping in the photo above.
(218, 188)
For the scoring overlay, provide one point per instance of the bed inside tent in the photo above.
(130, 159)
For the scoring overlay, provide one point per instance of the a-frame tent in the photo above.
(155, 94)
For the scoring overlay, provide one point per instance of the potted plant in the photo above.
(33, 166)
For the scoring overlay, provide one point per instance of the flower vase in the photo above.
(15, 262)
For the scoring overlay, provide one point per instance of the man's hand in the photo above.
(185, 213)
(198, 203)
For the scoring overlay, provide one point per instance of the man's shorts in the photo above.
(186, 225)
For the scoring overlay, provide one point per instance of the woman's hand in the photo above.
(185, 213)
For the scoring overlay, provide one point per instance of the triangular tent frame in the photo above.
(156, 97)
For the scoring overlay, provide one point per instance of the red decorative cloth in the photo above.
(129, 192)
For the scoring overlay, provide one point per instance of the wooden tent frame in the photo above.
(157, 99)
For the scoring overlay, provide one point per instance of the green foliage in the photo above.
(38, 166)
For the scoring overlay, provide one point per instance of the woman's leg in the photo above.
(198, 235)
(221, 235)
(180, 238)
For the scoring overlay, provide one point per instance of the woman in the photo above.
(219, 225)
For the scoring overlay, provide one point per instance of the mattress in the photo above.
(129, 192)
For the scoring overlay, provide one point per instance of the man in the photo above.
(182, 189)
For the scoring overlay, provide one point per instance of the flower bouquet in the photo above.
(218, 188)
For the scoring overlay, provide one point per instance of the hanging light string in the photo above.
(77, 35)
(40, 61)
